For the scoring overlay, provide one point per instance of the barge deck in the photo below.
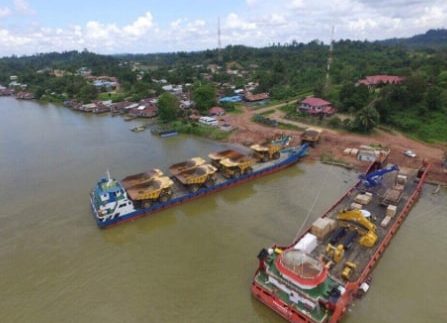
(328, 300)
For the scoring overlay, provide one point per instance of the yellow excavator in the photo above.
(355, 220)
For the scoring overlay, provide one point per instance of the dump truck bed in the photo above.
(140, 178)
(224, 154)
(196, 175)
(240, 160)
(145, 191)
(183, 166)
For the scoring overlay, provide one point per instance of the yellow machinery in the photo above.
(157, 189)
(355, 220)
(141, 178)
(196, 177)
(186, 165)
(311, 136)
(336, 253)
(348, 270)
(232, 168)
(266, 152)
(221, 155)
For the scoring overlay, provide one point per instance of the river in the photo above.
(192, 263)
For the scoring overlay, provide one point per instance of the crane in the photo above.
(374, 178)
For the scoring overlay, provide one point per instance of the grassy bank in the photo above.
(196, 129)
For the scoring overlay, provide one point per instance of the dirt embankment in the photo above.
(333, 143)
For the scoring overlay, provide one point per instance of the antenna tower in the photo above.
(330, 59)
(219, 42)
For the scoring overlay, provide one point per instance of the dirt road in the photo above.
(334, 142)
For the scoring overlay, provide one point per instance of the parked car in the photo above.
(410, 153)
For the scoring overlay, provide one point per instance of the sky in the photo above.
(111, 27)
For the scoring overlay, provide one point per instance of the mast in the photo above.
(329, 60)
(219, 42)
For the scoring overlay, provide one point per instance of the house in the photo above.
(230, 99)
(250, 97)
(173, 89)
(145, 109)
(216, 111)
(186, 104)
(316, 106)
(377, 80)
(123, 107)
(84, 71)
(102, 106)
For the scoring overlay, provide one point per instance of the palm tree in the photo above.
(366, 119)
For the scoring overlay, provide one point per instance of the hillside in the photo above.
(434, 38)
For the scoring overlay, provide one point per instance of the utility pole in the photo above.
(329, 61)
(219, 42)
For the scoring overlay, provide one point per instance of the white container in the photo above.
(308, 243)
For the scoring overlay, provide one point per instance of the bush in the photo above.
(335, 122)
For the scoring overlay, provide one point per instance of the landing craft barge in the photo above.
(114, 202)
(317, 277)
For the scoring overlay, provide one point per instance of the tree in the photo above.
(168, 107)
(433, 98)
(204, 97)
(87, 93)
(355, 97)
(366, 119)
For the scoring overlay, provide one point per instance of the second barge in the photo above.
(317, 277)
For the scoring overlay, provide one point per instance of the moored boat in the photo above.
(112, 204)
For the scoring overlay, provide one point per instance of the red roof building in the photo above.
(376, 80)
(216, 111)
(250, 97)
(316, 106)
(144, 110)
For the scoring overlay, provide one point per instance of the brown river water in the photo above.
(192, 263)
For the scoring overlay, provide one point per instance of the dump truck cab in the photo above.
(266, 152)
(195, 178)
(158, 189)
(235, 167)
(311, 136)
(220, 155)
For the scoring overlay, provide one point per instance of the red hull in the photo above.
(294, 316)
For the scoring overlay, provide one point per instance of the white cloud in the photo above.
(4, 11)
(140, 26)
(23, 7)
(233, 21)
(262, 22)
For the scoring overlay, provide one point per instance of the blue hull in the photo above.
(293, 158)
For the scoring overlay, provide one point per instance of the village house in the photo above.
(216, 112)
(145, 109)
(250, 97)
(123, 107)
(107, 82)
(173, 89)
(316, 106)
(378, 80)
(84, 71)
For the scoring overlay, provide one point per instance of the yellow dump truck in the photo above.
(311, 136)
(221, 155)
(133, 180)
(194, 178)
(235, 167)
(183, 166)
(266, 152)
(157, 189)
